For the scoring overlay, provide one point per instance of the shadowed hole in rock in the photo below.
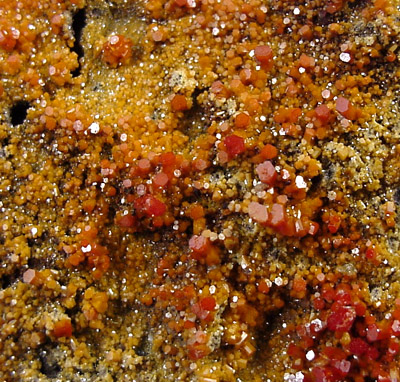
(5, 281)
(396, 196)
(197, 118)
(322, 18)
(50, 367)
(8, 279)
(143, 349)
(19, 112)
(315, 184)
(78, 23)
(357, 4)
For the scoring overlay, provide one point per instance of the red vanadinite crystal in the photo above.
(167, 159)
(161, 179)
(346, 109)
(342, 319)
(342, 367)
(358, 346)
(199, 311)
(258, 212)
(181, 3)
(296, 351)
(322, 374)
(372, 353)
(126, 221)
(208, 303)
(323, 113)
(267, 173)
(199, 244)
(150, 206)
(234, 145)
(396, 327)
(319, 303)
(334, 353)
(372, 333)
(277, 215)
(144, 166)
(370, 254)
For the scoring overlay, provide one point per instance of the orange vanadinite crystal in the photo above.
(117, 50)
(263, 54)
(269, 151)
(346, 109)
(179, 103)
(63, 328)
(242, 120)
